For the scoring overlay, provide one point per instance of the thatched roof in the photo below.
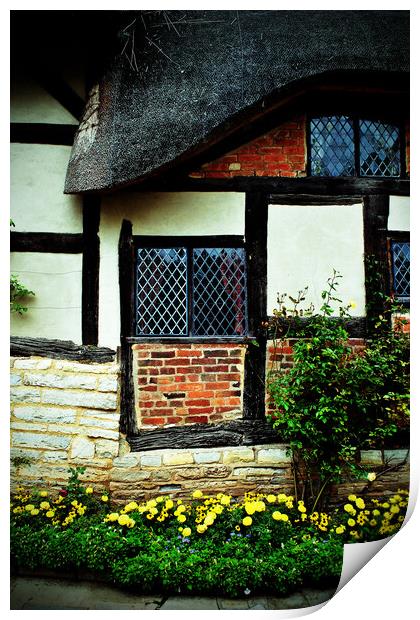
(188, 76)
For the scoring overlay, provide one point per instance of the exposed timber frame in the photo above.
(90, 269)
(42, 133)
(56, 243)
(59, 349)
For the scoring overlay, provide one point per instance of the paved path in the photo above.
(47, 593)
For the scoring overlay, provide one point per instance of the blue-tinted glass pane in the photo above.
(219, 292)
(401, 269)
(379, 149)
(332, 146)
(162, 292)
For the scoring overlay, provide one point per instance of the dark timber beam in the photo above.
(126, 268)
(256, 213)
(57, 243)
(90, 269)
(235, 433)
(375, 225)
(319, 186)
(61, 91)
(59, 349)
(42, 133)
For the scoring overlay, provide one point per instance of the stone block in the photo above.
(206, 457)
(187, 473)
(33, 364)
(55, 455)
(103, 423)
(272, 456)
(68, 366)
(371, 457)
(393, 457)
(94, 400)
(15, 379)
(78, 381)
(217, 471)
(103, 433)
(245, 472)
(108, 384)
(235, 455)
(119, 474)
(82, 448)
(46, 414)
(40, 440)
(28, 426)
(128, 460)
(106, 448)
(178, 457)
(151, 460)
(25, 394)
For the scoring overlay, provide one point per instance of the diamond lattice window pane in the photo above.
(332, 146)
(401, 269)
(162, 292)
(219, 292)
(379, 149)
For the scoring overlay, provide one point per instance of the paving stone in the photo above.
(190, 602)
(232, 603)
(316, 597)
(294, 601)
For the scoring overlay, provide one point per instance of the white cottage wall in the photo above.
(55, 310)
(399, 213)
(163, 213)
(30, 103)
(305, 244)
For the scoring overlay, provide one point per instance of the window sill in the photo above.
(189, 339)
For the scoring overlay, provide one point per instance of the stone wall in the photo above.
(63, 413)
(188, 383)
(232, 470)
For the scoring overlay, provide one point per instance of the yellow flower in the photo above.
(29, 507)
(349, 508)
(271, 498)
(247, 521)
(289, 504)
(197, 494)
(89, 490)
(182, 518)
(123, 519)
(237, 528)
(130, 506)
(34, 512)
(50, 514)
(44, 494)
(277, 516)
(360, 503)
(259, 506)
(282, 497)
(303, 516)
(306, 537)
(301, 508)
(371, 476)
(352, 304)
(351, 522)
(250, 508)
(209, 520)
(352, 498)
(44, 505)
(186, 532)
(376, 513)
(284, 517)
(225, 500)
(152, 503)
(169, 504)
(104, 498)
(394, 509)
(201, 529)
(131, 523)
(340, 529)
(373, 522)
(113, 516)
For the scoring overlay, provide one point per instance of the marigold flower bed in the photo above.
(218, 545)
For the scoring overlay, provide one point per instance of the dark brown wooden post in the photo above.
(90, 269)
(375, 225)
(256, 212)
(126, 267)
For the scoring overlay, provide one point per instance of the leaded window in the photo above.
(400, 257)
(191, 291)
(350, 146)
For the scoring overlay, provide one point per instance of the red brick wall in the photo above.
(280, 152)
(188, 383)
(281, 356)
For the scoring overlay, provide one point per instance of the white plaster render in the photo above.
(167, 213)
(399, 213)
(55, 310)
(306, 243)
(30, 103)
(38, 204)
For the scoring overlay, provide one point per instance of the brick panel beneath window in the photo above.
(280, 152)
(188, 383)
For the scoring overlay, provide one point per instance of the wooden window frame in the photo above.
(395, 235)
